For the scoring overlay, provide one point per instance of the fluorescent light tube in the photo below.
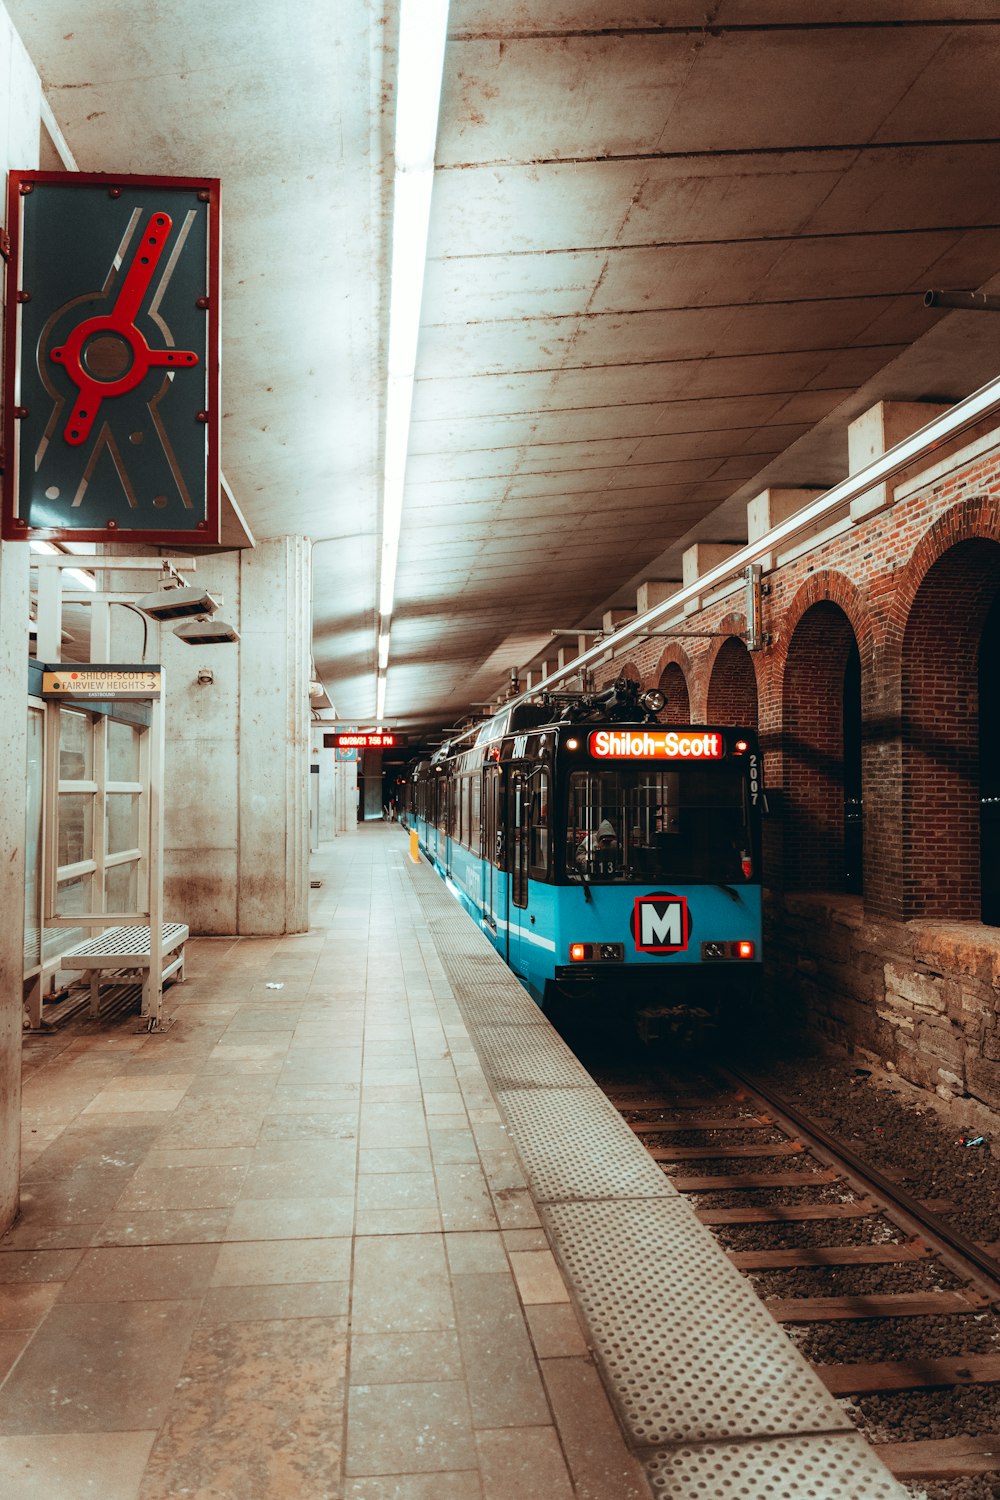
(423, 29)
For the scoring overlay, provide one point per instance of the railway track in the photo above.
(896, 1311)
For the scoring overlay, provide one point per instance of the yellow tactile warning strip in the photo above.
(688, 1352)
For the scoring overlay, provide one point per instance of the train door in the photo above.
(517, 845)
(447, 814)
(436, 836)
(493, 842)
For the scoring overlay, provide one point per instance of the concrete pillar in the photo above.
(13, 770)
(20, 106)
(345, 795)
(371, 763)
(325, 759)
(877, 430)
(237, 757)
(273, 751)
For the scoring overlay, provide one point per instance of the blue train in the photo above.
(607, 856)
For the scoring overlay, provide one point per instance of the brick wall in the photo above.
(906, 971)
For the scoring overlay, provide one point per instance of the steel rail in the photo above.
(873, 1180)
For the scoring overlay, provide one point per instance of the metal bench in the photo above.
(124, 949)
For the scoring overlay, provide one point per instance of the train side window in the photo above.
(493, 829)
(538, 862)
(475, 793)
(519, 832)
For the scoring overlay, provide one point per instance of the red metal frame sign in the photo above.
(111, 375)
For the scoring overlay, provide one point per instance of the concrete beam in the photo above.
(653, 591)
(769, 508)
(874, 433)
(702, 556)
(615, 617)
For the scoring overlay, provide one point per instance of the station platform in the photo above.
(358, 1226)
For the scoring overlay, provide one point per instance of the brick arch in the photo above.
(673, 672)
(939, 651)
(827, 586)
(732, 686)
(972, 519)
(818, 650)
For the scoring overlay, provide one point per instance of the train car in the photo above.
(607, 856)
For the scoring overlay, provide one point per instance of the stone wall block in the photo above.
(961, 950)
(919, 1067)
(900, 1017)
(949, 1084)
(942, 1042)
(972, 1006)
(921, 990)
(983, 1076)
(892, 939)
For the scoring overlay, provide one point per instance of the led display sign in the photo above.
(656, 744)
(363, 740)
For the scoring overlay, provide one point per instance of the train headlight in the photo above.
(653, 700)
(744, 949)
(578, 952)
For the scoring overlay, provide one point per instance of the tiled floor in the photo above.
(282, 1251)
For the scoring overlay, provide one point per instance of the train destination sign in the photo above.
(363, 740)
(656, 744)
(75, 680)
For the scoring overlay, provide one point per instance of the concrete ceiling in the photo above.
(673, 248)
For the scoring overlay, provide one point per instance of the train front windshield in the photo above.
(657, 826)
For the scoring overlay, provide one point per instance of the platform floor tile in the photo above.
(292, 1247)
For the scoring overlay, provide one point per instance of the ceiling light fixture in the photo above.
(423, 26)
(380, 698)
(178, 604)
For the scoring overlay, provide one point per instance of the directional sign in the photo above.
(100, 680)
(111, 404)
